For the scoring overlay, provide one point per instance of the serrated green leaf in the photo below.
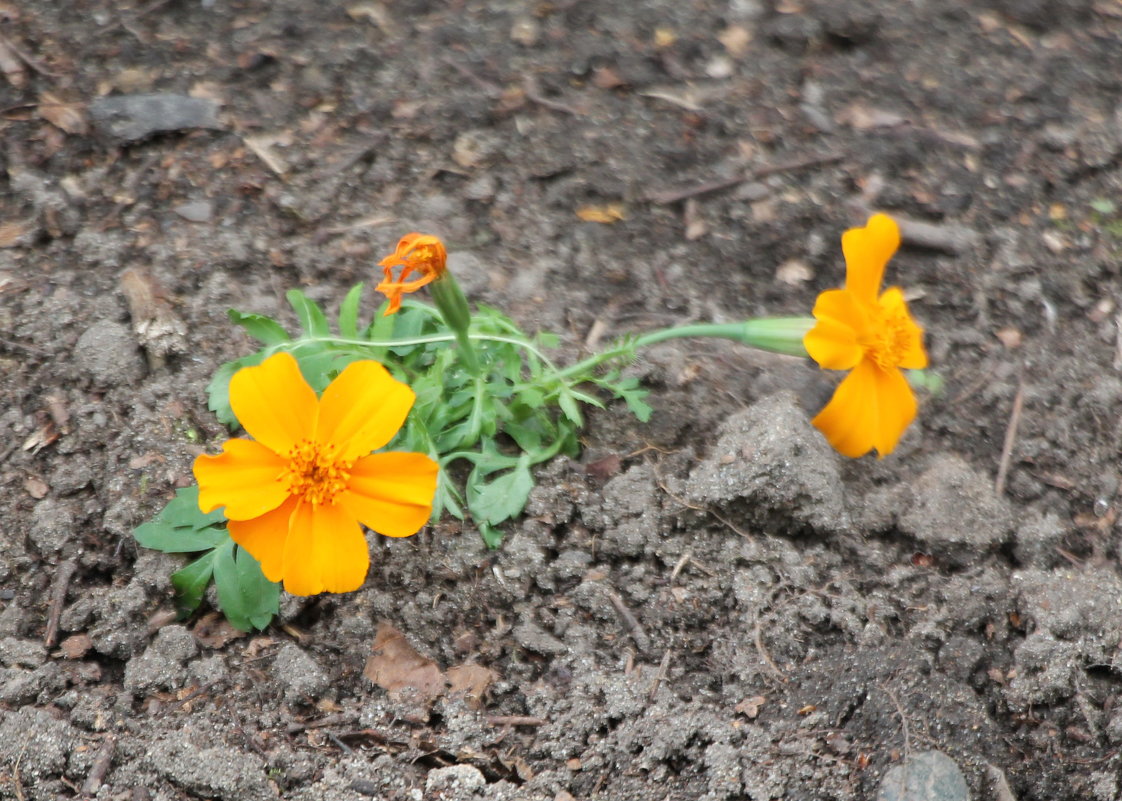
(190, 583)
(348, 312)
(310, 315)
(181, 527)
(504, 497)
(247, 598)
(569, 407)
(491, 535)
(264, 329)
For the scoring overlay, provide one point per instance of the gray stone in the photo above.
(926, 776)
(952, 510)
(129, 118)
(52, 524)
(771, 468)
(15, 652)
(161, 666)
(210, 772)
(454, 782)
(1036, 537)
(300, 675)
(533, 638)
(108, 353)
(39, 740)
(198, 211)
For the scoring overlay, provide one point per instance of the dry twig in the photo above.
(665, 197)
(100, 767)
(660, 677)
(58, 598)
(1010, 438)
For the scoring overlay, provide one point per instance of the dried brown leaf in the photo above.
(607, 213)
(67, 117)
(396, 667)
(76, 646)
(213, 631)
(471, 682)
(15, 232)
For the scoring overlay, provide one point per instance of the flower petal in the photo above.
(913, 355)
(833, 340)
(325, 551)
(867, 251)
(362, 409)
(264, 537)
(392, 493)
(870, 409)
(274, 403)
(244, 478)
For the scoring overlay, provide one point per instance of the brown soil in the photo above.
(734, 612)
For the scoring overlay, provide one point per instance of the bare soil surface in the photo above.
(711, 606)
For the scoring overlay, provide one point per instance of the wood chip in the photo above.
(160, 330)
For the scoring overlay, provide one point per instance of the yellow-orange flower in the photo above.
(872, 336)
(296, 493)
(415, 253)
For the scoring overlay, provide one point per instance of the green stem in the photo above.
(776, 334)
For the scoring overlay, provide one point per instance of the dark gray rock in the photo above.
(926, 776)
(128, 118)
(108, 353)
(771, 468)
(300, 675)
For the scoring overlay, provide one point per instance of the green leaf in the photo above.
(190, 583)
(218, 390)
(247, 598)
(311, 316)
(1103, 205)
(569, 407)
(264, 329)
(503, 498)
(633, 395)
(492, 536)
(348, 312)
(182, 527)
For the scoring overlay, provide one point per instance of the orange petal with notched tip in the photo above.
(833, 341)
(325, 550)
(867, 251)
(264, 537)
(392, 493)
(870, 409)
(244, 478)
(274, 403)
(362, 409)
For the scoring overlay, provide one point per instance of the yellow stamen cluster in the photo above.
(889, 337)
(315, 472)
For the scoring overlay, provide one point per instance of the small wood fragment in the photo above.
(99, 768)
(58, 599)
(160, 330)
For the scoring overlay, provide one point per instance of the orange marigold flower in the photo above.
(873, 336)
(415, 253)
(296, 493)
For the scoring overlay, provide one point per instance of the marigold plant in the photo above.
(295, 494)
(873, 336)
(478, 403)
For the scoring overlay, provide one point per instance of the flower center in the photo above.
(888, 337)
(315, 472)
